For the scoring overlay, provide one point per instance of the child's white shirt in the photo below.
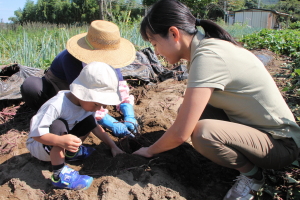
(57, 107)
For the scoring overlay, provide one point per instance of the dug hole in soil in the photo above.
(181, 173)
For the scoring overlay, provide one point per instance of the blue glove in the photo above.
(130, 121)
(118, 129)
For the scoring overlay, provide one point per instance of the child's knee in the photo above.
(58, 151)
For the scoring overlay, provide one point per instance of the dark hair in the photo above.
(167, 13)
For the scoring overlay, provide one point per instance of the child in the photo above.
(63, 122)
(102, 43)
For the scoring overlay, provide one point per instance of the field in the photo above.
(181, 173)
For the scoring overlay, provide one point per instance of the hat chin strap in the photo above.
(89, 43)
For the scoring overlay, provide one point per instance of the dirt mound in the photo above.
(17, 189)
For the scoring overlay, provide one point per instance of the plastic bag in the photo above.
(12, 77)
(148, 68)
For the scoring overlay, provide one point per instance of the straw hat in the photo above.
(97, 82)
(102, 43)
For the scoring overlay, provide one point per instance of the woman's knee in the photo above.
(202, 134)
(31, 90)
(36, 91)
(203, 128)
(31, 86)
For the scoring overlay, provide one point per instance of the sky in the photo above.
(8, 7)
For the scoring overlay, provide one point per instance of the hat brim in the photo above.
(117, 58)
(90, 95)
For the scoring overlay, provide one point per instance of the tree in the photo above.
(148, 2)
(72, 11)
(235, 4)
(251, 4)
(291, 7)
(18, 18)
(198, 7)
(28, 13)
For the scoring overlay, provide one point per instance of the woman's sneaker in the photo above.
(71, 179)
(81, 154)
(244, 188)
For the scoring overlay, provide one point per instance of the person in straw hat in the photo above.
(101, 43)
(64, 121)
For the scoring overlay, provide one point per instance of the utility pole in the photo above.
(258, 4)
(100, 2)
(225, 10)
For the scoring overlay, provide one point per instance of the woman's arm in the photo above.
(195, 101)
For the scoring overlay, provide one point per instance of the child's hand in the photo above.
(116, 150)
(70, 142)
(102, 135)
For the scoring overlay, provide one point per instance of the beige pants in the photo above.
(233, 145)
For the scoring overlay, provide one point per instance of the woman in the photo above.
(245, 124)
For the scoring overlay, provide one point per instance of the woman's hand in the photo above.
(143, 152)
(116, 150)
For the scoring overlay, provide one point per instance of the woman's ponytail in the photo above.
(213, 30)
(198, 21)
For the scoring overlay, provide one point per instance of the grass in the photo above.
(238, 31)
(37, 44)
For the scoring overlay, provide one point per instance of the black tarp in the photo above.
(12, 77)
(148, 68)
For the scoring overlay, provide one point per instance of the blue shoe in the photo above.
(71, 179)
(81, 154)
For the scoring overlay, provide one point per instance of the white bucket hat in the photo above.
(97, 82)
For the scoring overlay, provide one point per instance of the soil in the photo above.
(181, 173)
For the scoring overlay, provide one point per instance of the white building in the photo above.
(258, 18)
(268, 2)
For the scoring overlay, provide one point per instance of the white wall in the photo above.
(268, 2)
(253, 18)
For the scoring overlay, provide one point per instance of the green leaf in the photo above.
(285, 89)
(297, 71)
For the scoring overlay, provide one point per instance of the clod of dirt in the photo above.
(17, 189)
(8, 71)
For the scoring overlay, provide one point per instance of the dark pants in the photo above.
(60, 127)
(36, 91)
